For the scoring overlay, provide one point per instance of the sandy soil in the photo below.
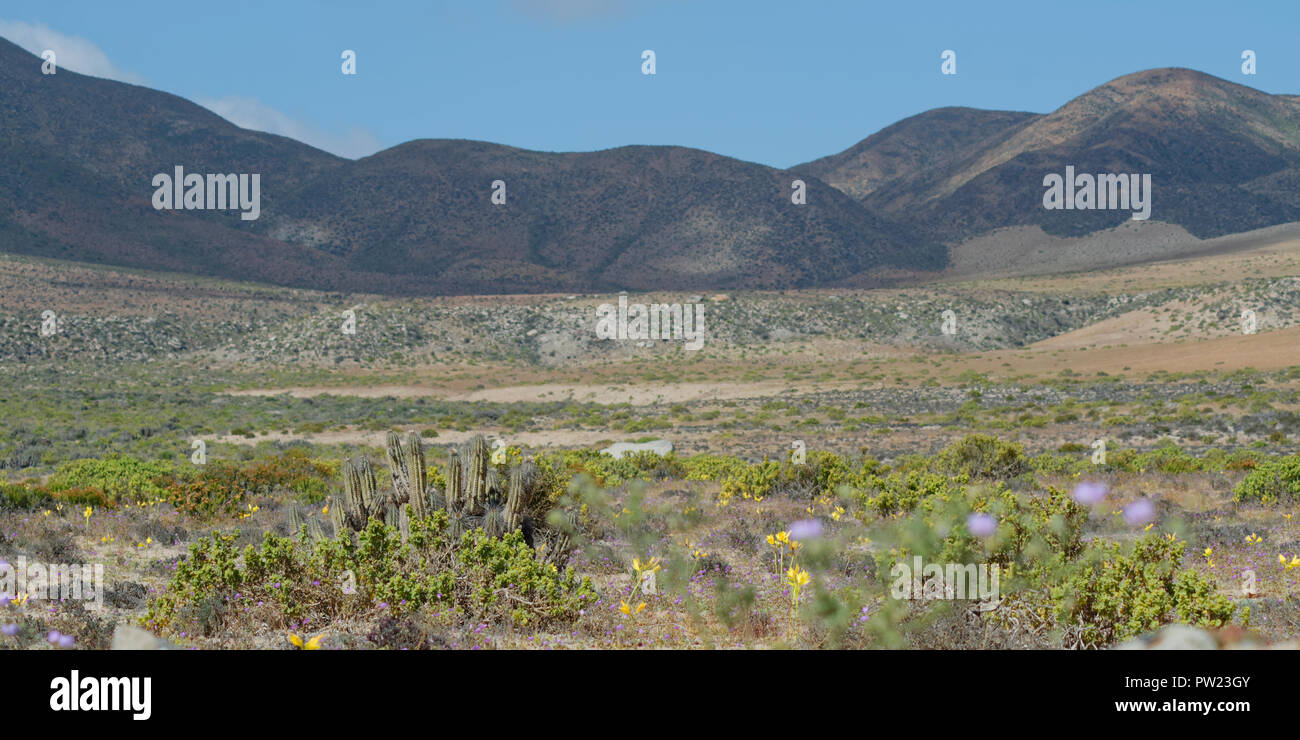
(639, 394)
(1183, 259)
(556, 438)
(1269, 350)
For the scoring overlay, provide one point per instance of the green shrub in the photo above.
(1115, 594)
(23, 496)
(1106, 591)
(479, 578)
(903, 492)
(1272, 480)
(118, 476)
(223, 487)
(750, 481)
(981, 456)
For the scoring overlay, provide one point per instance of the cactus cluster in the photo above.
(476, 495)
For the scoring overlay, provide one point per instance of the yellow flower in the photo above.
(19, 600)
(651, 566)
(797, 576)
(1208, 551)
(623, 607)
(325, 510)
(770, 539)
(639, 607)
(312, 644)
(1253, 539)
(1148, 527)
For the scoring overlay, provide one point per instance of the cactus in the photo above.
(476, 477)
(517, 498)
(410, 480)
(559, 545)
(298, 523)
(477, 495)
(455, 474)
(458, 523)
(361, 498)
(404, 521)
(494, 521)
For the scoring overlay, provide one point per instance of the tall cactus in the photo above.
(406, 461)
(517, 497)
(476, 478)
(361, 498)
(560, 544)
(419, 476)
(454, 496)
(297, 522)
(397, 463)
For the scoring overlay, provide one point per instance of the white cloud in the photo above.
(80, 55)
(70, 52)
(253, 114)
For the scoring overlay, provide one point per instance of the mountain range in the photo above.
(81, 154)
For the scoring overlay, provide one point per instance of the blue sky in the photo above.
(772, 82)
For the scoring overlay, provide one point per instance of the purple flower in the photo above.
(66, 641)
(9, 629)
(1089, 493)
(1140, 512)
(53, 637)
(981, 525)
(806, 529)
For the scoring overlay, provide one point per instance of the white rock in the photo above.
(1173, 637)
(126, 637)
